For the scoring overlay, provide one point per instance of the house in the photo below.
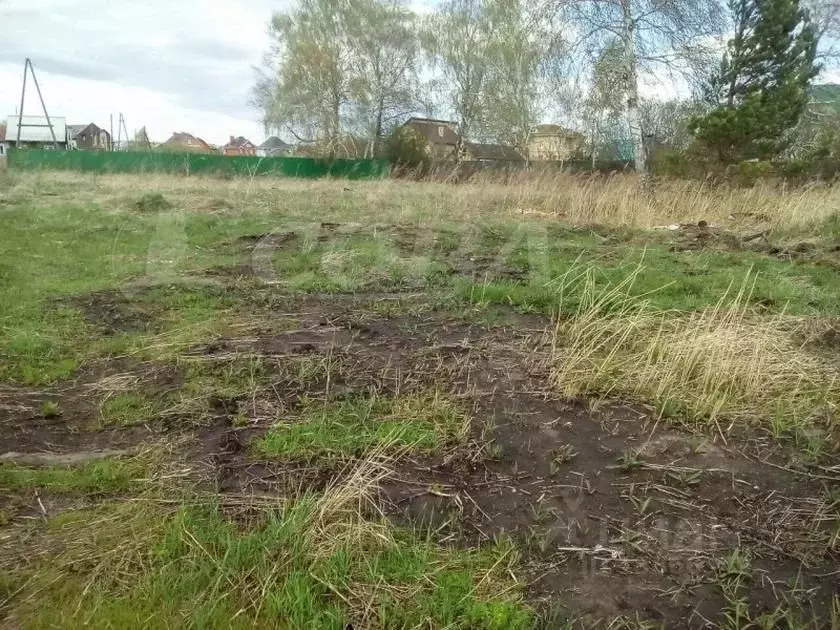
(239, 146)
(477, 152)
(36, 131)
(182, 142)
(441, 135)
(554, 143)
(88, 138)
(274, 147)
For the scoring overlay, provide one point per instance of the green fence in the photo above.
(192, 163)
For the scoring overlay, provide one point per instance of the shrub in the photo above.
(751, 171)
(152, 202)
(408, 149)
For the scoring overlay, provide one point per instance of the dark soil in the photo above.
(114, 311)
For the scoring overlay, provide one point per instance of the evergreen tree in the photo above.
(761, 89)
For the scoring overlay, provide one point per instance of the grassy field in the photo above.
(545, 403)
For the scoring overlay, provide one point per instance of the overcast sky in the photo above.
(171, 65)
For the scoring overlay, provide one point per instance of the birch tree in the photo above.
(520, 47)
(306, 84)
(385, 49)
(455, 39)
(654, 36)
(604, 102)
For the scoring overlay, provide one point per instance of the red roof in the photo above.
(238, 143)
(186, 140)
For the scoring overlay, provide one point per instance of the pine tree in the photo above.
(762, 86)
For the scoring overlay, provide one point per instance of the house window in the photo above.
(440, 131)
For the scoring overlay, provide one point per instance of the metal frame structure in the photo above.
(27, 68)
(120, 128)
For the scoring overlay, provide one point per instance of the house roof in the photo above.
(498, 152)
(274, 143)
(182, 138)
(435, 131)
(238, 142)
(75, 130)
(554, 130)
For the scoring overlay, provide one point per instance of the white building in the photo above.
(35, 131)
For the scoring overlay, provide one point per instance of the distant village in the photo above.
(545, 142)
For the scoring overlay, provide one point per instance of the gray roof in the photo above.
(274, 143)
(75, 130)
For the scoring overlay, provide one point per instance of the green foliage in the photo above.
(408, 148)
(751, 171)
(762, 85)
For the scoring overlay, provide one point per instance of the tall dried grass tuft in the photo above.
(341, 516)
(723, 361)
(617, 200)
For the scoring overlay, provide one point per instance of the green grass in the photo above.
(53, 250)
(299, 567)
(680, 280)
(128, 408)
(55, 247)
(352, 263)
(356, 427)
(50, 409)
(104, 475)
(173, 559)
(225, 378)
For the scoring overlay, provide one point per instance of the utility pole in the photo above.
(120, 128)
(112, 132)
(29, 68)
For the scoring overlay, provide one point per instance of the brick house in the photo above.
(553, 143)
(274, 147)
(88, 138)
(239, 146)
(182, 142)
(441, 135)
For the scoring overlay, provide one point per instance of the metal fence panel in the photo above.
(192, 163)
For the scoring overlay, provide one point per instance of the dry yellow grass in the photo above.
(576, 200)
(718, 362)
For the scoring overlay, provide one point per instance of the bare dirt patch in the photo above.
(614, 512)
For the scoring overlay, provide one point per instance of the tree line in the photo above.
(341, 69)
